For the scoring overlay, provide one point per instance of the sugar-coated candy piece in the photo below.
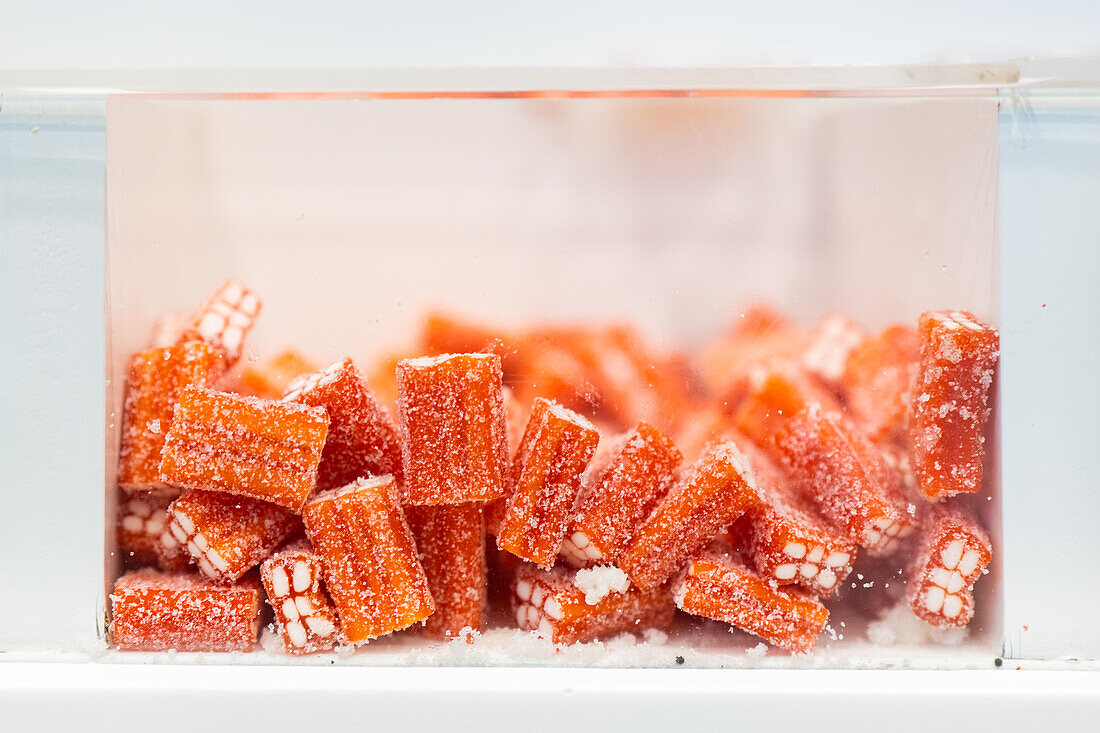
(714, 491)
(271, 377)
(372, 570)
(244, 445)
(720, 587)
(954, 552)
(227, 535)
(958, 354)
(153, 611)
(453, 430)
(627, 478)
(784, 537)
(142, 518)
(848, 478)
(877, 379)
(450, 540)
(362, 437)
(760, 336)
(776, 395)
(443, 333)
(515, 418)
(225, 319)
(831, 342)
(157, 378)
(304, 615)
(546, 479)
(549, 603)
(701, 428)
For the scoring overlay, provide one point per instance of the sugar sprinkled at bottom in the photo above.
(596, 583)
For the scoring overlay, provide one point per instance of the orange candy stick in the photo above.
(954, 553)
(362, 437)
(877, 380)
(451, 543)
(154, 612)
(142, 519)
(453, 428)
(271, 377)
(958, 355)
(776, 395)
(556, 449)
(784, 537)
(225, 319)
(549, 603)
(304, 615)
(849, 480)
(228, 535)
(244, 445)
(515, 418)
(628, 477)
(714, 491)
(718, 587)
(831, 343)
(157, 377)
(372, 570)
(760, 336)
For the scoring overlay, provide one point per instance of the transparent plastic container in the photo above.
(669, 202)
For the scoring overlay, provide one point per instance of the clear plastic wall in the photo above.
(355, 214)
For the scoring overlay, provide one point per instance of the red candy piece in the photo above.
(228, 535)
(453, 430)
(304, 616)
(785, 538)
(777, 394)
(157, 377)
(628, 477)
(451, 544)
(714, 491)
(954, 552)
(153, 611)
(550, 604)
(958, 354)
(556, 449)
(848, 479)
(831, 343)
(270, 378)
(515, 417)
(721, 588)
(244, 445)
(225, 319)
(372, 570)
(877, 380)
(142, 518)
(760, 336)
(362, 437)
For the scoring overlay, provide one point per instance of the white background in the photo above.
(94, 34)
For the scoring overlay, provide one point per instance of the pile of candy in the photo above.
(619, 487)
